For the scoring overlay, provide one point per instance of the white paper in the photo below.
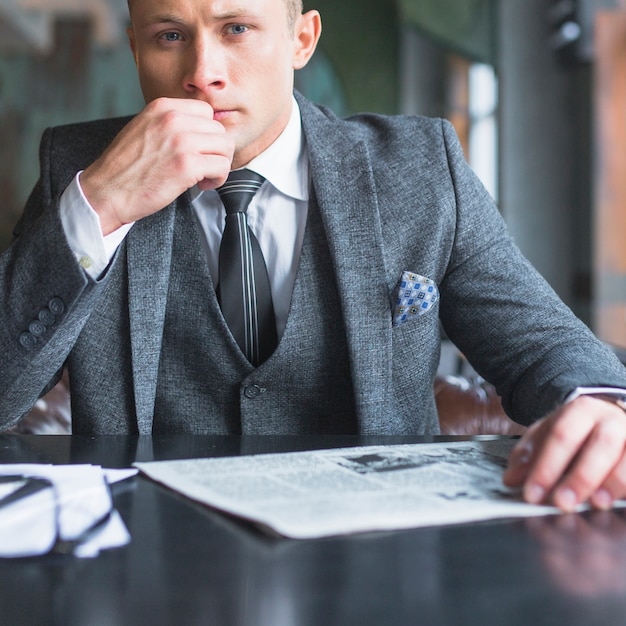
(80, 497)
(113, 534)
(331, 492)
(118, 475)
(28, 528)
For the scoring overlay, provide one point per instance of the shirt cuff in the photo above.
(81, 225)
(610, 394)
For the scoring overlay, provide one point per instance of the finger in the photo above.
(522, 455)
(200, 124)
(212, 183)
(213, 172)
(567, 429)
(595, 462)
(180, 162)
(613, 488)
(189, 106)
(202, 144)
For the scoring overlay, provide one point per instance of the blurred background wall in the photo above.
(532, 86)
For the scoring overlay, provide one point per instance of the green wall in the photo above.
(467, 26)
(361, 41)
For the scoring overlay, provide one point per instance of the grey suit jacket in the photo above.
(395, 194)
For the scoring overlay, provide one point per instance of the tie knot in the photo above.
(239, 189)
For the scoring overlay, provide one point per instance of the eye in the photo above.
(171, 36)
(238, 29)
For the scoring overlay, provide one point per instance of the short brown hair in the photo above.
(294, 9)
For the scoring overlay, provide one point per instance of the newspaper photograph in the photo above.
(332, 492)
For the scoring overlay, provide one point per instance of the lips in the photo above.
(220, 115)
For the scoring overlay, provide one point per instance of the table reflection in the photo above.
(245, 578)
(584, 554)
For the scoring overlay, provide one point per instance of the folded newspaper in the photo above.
(332, 492)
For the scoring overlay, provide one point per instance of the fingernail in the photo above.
(534, 494)
(566, 499)
(602, 499)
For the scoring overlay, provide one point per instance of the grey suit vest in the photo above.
(205, 384)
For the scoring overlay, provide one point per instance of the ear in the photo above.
(131, 40)
(308, 29)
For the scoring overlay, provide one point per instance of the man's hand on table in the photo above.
(574, 455)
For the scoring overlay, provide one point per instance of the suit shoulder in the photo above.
(86, 135)
(383, 131)
(68, 149)
(375, 128)
(401, 141)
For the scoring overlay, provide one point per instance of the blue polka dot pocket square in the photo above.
(414, 296)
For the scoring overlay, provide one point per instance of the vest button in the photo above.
(253, 391)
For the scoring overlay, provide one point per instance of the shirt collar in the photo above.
(284, 164)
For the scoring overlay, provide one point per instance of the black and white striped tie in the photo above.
(244, 289)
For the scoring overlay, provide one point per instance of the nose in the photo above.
(205, 68)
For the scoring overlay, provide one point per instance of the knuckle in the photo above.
(169, 119)
(157, 106)
(181, 162)
(176, 144)
(609, 433)
(564, 432)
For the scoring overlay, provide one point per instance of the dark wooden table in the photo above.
(189, 565)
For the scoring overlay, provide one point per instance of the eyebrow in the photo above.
(236, 13)
(164, 18)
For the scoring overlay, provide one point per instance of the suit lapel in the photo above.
(343, 184)
(149, 258)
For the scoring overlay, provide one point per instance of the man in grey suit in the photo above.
(374, 230)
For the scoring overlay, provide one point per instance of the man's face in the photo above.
(237, 55)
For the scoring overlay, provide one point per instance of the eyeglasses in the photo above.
(40, 517)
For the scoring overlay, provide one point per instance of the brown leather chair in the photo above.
(51, 414)
(471, 406)
(466, 405)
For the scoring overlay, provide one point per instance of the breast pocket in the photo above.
(414, 297)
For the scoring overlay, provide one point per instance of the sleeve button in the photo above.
(56, 306)
(46, 316)
(37, 329)
(28, 341)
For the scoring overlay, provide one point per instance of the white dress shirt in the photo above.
(277, 216)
